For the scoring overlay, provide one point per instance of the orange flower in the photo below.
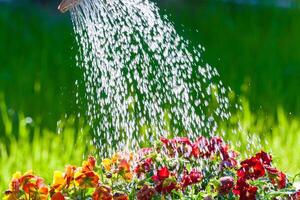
(14, 187)
(124, 166)
(124, 170)
(69, 174)
(27, 176)
(102, 193)
(90, 164)
(32, 186)
(88, 179)
(44, 192)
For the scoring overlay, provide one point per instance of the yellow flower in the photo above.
(17, 175)
(131, 156)
(10, 196)
(115, 158)
(106, 163)
(128, 176)
(58, 181)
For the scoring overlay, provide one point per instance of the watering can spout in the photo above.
(65, 5)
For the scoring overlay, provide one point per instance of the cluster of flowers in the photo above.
(173, 168)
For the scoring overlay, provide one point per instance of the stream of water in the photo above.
(142, 79)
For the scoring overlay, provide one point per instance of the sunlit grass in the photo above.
(40, 150)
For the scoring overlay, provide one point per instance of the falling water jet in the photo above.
(142, 79)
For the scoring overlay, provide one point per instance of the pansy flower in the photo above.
(106, 163)
(102, 193)
(32, 186)
(180, 146)
(295, 196)
(120, 196)
(86, 179)
(251, 169)
(265, 158)
(200, 148)
(226, 185)
(58, 181)
(244, 190)
(146, 193)
(277, 177)
(57, 196)
(193, 177)
(165, 183)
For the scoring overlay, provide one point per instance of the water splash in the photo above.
(142, 79)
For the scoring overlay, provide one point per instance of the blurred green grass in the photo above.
(37, 73)
(40, 149)
(256, 50)
(253, 46)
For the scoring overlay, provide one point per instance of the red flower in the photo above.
(277, 177)
(58, 196)
(200, 148)
(174, 141)
(281, 180)
(163, 182)
(191, 178)
(164, 187)
(226, 185)
(251, 169)
(295, 196)
(244, 190)
(165, 141)
(182, 140)
(196, 176)
(215, 144)
(178, 145)
(163, 173)
(143, 167)
(146, 193)
(265, 158)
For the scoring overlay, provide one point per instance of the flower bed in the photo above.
(173, 169)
